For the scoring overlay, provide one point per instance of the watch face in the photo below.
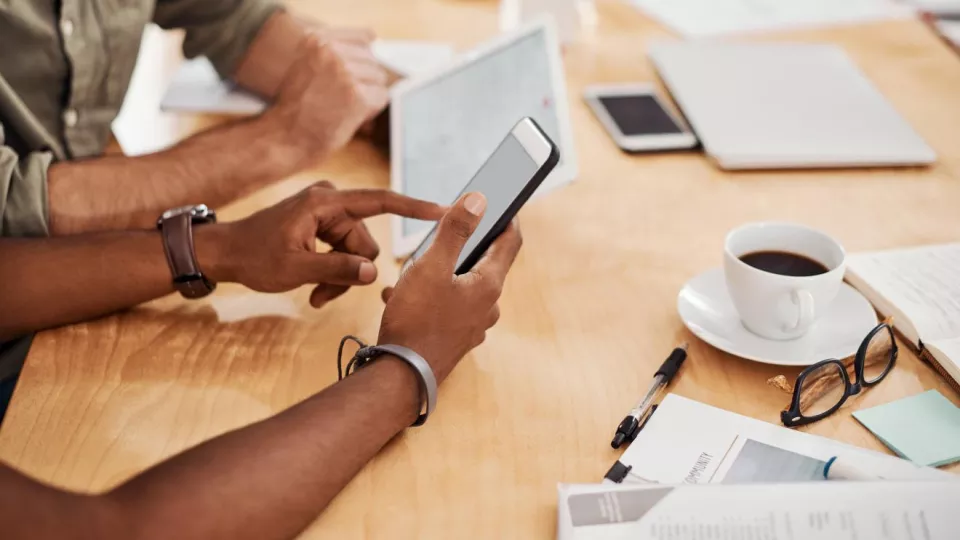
(196, 211)
(179, 211)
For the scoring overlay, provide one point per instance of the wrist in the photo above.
(211, 245)
(290, 149)
(396, 379)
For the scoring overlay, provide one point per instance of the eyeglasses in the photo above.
(822, 388)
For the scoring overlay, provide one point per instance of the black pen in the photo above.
(630, 426)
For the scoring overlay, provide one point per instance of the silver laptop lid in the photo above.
(785, 105)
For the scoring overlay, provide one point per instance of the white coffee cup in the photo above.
(776, 306)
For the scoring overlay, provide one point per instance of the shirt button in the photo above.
(70, 117)
(66, 28)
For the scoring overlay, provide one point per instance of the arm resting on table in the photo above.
(107, 272)
(266, 481)
(212, 168)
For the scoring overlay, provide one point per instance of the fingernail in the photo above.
(368, 272)
(475, 203)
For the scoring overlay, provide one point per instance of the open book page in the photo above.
(921, 284)
(947, 354)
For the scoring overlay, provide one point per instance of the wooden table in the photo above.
(588, 311)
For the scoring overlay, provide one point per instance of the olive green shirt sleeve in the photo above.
(23, 191)
(219, 29)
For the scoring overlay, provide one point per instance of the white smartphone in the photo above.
(637, 119)
(508, 178)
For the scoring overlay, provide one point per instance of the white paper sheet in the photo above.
(703, 18)
(827, 511)
(197, 88)
(950, 30)
(687, 442)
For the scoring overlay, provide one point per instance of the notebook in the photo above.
(920, 288)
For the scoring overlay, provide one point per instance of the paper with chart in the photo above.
(704, 18)
(822, 511)
(687, 442)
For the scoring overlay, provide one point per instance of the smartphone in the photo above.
(508, 178)
(636, 118)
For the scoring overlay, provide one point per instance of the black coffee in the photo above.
(784, 263)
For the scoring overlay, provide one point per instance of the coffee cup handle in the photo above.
(804, 302)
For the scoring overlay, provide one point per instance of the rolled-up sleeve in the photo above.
(23, 191)
(219, 29)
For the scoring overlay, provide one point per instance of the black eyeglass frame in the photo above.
(793, 417)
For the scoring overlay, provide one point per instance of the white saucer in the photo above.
(707, 310)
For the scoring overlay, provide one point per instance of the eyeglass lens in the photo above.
(821, 390)
(879, 356)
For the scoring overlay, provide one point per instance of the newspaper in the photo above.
(812, 511)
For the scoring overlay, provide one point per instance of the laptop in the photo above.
(785, 106)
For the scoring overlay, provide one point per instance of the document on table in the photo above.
(687, 442)
(703, 18)
(949, 30)
(823, 511)
(196, 87)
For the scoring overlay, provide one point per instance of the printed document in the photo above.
(687, 442)
(834, 510)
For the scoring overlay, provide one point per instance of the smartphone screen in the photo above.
(639, 114)
(501, 179)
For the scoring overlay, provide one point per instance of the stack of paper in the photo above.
(771, 482)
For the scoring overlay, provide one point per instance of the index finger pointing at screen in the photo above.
(364, 203)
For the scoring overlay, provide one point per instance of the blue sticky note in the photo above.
(924, 428)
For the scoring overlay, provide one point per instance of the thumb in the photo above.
(454, 230)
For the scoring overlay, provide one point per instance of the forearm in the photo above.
(213, 168)
(278, 474)
(268, 480)
(270, 55)
(54, 281)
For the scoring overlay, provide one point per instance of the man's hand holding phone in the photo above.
(440, 315)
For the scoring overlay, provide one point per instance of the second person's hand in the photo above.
(333, 87)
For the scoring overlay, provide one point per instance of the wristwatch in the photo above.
(176, 228)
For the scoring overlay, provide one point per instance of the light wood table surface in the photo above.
(589, 310)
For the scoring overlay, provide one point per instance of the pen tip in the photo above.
(684, 346)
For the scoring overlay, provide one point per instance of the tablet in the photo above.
(445, 124)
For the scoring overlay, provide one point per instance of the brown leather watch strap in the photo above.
(177, 234)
